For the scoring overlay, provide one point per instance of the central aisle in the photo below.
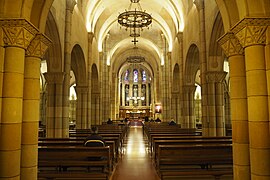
(136, 163)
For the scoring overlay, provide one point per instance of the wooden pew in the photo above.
(198, 141)
(59, 162)
(187, 160)
(79, 143)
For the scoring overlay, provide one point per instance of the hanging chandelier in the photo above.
(135, 20)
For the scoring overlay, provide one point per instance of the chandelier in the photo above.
(135, 20)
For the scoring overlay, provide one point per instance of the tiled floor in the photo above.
(135, 163)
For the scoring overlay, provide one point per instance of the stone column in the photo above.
(67, 66)
(189, 108)
(166, 89)
(251, 34)
(180, 104)
(102, 87)
(31, 98)
(216, 103)
(114, 102)
(239, 112)
(2, 57)
(203, 66)
(54, 124)
(17, 35)
(90, 60)
(81, 109)
(267, 62)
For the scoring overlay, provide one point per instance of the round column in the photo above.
(17, 34)
(252, 38)
(54, 126)
(67, 67)
(239, 112)
(31, 97)
(203, 67)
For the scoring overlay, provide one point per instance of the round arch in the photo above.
(192, 65)
(78, 65)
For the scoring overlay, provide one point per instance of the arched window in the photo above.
(126, 76)
(143, 76)
(135, 75)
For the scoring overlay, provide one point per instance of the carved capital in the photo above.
(230, 45)
(17, 32)
(215, 76)
(199, 4)
(251, 31)
(54, 77)
(70, 4)
(38, 46)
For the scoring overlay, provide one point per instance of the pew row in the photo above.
(59, 162)
(175, 161)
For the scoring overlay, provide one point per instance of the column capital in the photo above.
(215, 76)
(17, 32)
(70, 4)
(199, 4)
(230, 45)
(54, 77)
(38, 46)
(251, 31)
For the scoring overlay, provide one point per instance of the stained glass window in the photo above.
(143, 76)
(135, 75)
(126, 75)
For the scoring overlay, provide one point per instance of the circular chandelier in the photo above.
(135, 20)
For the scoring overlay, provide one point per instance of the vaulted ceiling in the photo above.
(168, 20)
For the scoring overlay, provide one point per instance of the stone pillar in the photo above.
(67, 66)
(180, 104)
(189, 108)
(239, 112)
(2, 57)
(81, 109)
(114, 102)
(89, 99)
(102, 87)
(251, 34)
(203, 66)
(216, 103)
(54, 124)
(31, 98)
(166, 112)
(267, 62)
(17, 35)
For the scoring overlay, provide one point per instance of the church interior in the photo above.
(69, 65)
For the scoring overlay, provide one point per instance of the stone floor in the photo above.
(136, 163)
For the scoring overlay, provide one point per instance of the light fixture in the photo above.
(135, 20)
